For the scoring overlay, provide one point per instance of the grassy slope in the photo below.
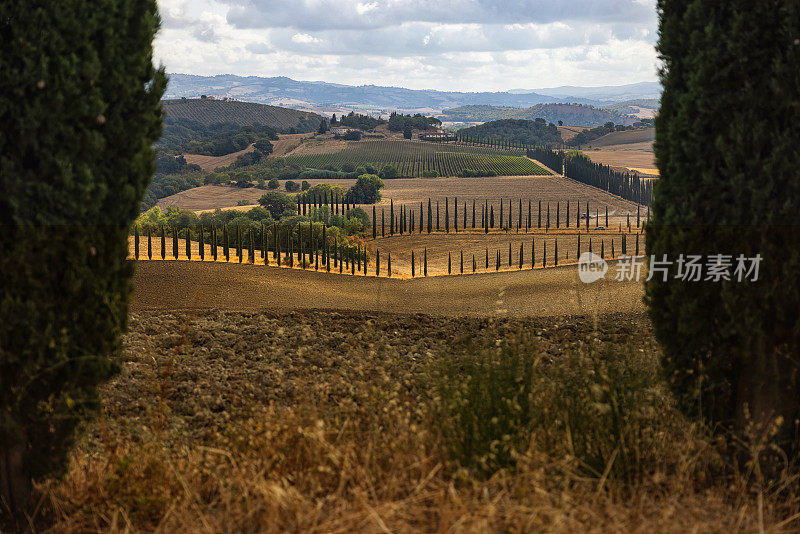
(208, 111)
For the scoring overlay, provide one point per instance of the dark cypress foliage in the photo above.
(252, 248)
(426, 262)
(374, 223)
(188, 243)
(497, 267)
(202, 245)
(437, 215)
(596, 217)
(629, 222)
(163, 243)
(558, 214)
(136, 241)
(555, 253)
(487, 259)
(533, 252)
(358, 257)
(473, 214)
(548, 216)
(389, 265)
(606, 216)
(174, 242)
(602, 248)
(378, 262)
(521, 254)
(474, 266)
(590, 244)
(579, 244)
(501, 213)
(214, 243)
(149, 244)
(413, 272)
(446, 215)
(544, 253)
(79, 111)
(539, 225)
(462, 261)
(587, 215)
(637, 244)
(391, 218)
(383, 222)
(509, 254)
(612, 248)
(491, 216)
(638, 215)
(430, 217)
(449, 268)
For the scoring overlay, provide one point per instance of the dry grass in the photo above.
(209, 163)
(322, 422)
(634, 156)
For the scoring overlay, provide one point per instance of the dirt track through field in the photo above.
(173, 285)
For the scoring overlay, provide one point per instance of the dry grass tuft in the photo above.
(340, 422)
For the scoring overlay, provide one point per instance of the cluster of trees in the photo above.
(579, 167)
(515, 131)
(356, 120)
(184, 136)
(399, 122)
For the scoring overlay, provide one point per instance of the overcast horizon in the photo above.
(452, 45)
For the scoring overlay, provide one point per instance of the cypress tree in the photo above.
(519, 216)
(449, 269)
(437, 215)
(383, 222)
(498, 261)
(501, 213)
(412, 264)
(163, 243)
(509, 253)
(473, 214)
(579, 244)
(474, 266)
(358, 257)
(263, 241)
(637, 244)
(606, 215)
(602, 248)
(316, 257)
(544, 253)
(421, 215)
(202, 246)
(374, 226)
(252, 250)
(175, 242)
(612, 248)
(533, 252)
(378, 262)
(239, 243)
(638, 215)
(521, 253)
(629, 222)
(149, 243)
(188, 243)
(426, 262)
(80, 108)
(462, 261)
(558, 214)
(136, 241)
(446, 215)
(487, 259)
(214, 242)
(430, 219)
(587, 215)
(555, 252)
(590, 244)
(389, 265)
(491, 218)
(391, 218)
(596, 217)
(540, 215)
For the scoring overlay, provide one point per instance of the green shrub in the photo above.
(595, 406)
(273, 184)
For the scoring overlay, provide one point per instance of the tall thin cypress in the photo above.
(136, 241)
(389, 265)
(519, 216)
(521, 253)
(202, 245)
(449, 269)
(430, 216)
(555, 253)
(425, 263)
(437, 215)
(606, 216)
(188, 243)
(391, 218)
(252, 249)
(149, 243)
(214, 242)
(533, 252)
(175, 242)
(446, 215)
(383, 222)
(544, 253)
(163, 243)
(474, 265)
(374, 225)
(497, 267)
(462, 261)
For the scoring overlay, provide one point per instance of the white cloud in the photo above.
(445, 44)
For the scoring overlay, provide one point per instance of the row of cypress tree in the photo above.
(404, 220)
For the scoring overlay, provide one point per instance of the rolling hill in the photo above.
(571, 114)
(208, 111)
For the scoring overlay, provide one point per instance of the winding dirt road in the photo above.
(175, 285)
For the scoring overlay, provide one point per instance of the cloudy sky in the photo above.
(464, 45)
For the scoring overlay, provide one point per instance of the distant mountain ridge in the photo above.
(307, 94)
(569, 114)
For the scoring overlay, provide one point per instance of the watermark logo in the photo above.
(591, 267)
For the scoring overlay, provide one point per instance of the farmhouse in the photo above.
(437, 136)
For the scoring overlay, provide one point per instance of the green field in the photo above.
(413, 158)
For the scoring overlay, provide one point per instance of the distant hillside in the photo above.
(208, 111)
(526, 132)
(647, 135)
(571, 114)
(605, 94)
(645, 107)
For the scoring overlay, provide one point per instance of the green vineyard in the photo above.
(415, 158)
